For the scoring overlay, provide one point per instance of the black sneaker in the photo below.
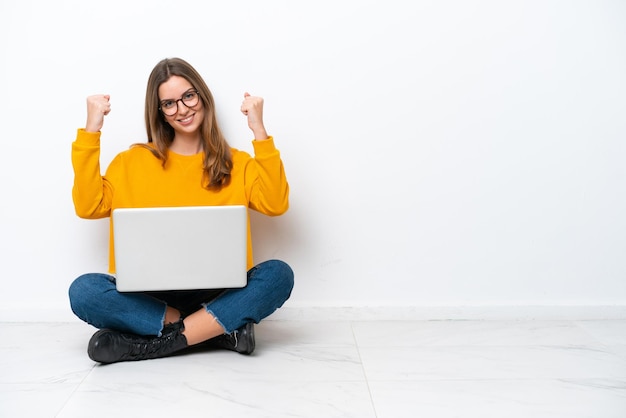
(241, 340)
(109, 346)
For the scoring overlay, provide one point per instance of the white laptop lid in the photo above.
(180, 248)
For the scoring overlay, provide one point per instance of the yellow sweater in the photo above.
(136, 178)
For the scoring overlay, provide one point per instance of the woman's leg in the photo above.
(95, 299)
(229, 317)
(269, 286)
(133, 325)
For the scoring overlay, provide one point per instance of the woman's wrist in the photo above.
(260, 134)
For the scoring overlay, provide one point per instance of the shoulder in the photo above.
(136, 154)
(239, 156)
(139, 150)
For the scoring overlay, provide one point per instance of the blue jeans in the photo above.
(95, 299)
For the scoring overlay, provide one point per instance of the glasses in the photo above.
(170, 107)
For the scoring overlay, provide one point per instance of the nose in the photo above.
(179, 105)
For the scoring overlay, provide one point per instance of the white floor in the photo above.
(363, 369)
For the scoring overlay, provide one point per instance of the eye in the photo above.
(189, 95)
(167, 104)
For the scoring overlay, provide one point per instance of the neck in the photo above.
(186, 145)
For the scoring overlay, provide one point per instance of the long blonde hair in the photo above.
(217, 157)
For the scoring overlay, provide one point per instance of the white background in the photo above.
(449, 153)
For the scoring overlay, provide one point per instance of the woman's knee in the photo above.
(287, 275)
(85, 288)
(281, 275)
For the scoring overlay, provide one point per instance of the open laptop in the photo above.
(180, 248)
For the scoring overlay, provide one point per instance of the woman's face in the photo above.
(180, 109)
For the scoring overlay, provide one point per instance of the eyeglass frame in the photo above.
(180, 100)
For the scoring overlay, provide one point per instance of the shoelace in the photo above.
(152, 346)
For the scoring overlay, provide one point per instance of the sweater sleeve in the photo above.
(92, 193)
(269, 192)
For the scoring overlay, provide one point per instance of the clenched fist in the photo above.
(98, 106)
(252, 107)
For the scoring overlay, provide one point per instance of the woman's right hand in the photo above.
(98, 107)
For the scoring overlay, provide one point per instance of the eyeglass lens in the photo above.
(189, 98)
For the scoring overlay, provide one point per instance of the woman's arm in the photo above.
(91, 192)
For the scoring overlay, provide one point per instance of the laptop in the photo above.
(180, 248)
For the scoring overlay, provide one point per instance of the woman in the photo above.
(186, 162)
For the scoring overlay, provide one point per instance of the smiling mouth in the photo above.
(187, 119)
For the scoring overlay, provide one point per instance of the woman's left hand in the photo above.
(252, 107)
